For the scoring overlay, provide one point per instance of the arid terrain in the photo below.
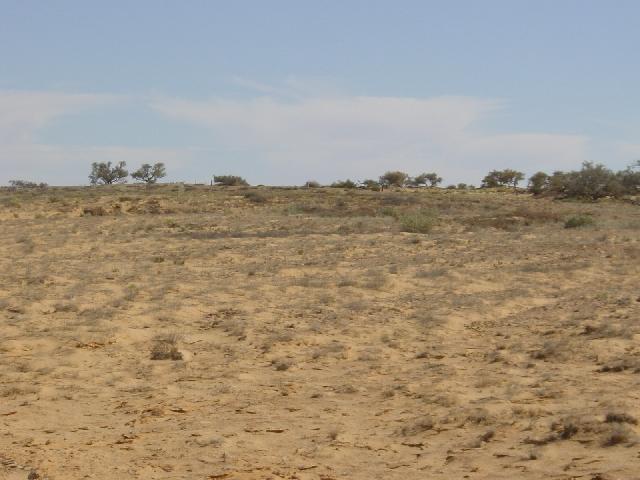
(189, 332)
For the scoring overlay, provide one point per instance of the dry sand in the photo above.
(177, 333)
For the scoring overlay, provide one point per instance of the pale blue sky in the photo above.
(285, 91)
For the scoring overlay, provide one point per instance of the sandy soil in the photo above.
(190, 333)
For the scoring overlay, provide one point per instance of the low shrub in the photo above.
(229, 180)
(578, 221)
(256, 197)
(417, 222)
(165, 348)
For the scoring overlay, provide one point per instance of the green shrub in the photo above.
(578, 221)
(394, 179)
(344, 184)
(592, 181)
(538, 183)
(417, 222)
(229, 180)
(256, 197)
(371, 185)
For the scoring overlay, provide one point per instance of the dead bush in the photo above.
(94, 211)
(165, 347)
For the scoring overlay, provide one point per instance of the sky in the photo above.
(285, 91)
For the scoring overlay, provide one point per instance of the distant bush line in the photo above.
(591, 182)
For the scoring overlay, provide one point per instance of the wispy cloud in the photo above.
(361, 136)
(24, 112)
(63, 165)
(289, 138)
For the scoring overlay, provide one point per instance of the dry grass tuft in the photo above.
(165, 347)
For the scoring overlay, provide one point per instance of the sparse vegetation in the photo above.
(577, 221)
(256, 197)
(165, 347)
(287, 302)
(417, 222)
(26, 184)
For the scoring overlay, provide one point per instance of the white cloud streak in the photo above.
(294, 138)
(363, 136)
(23, 112)
(64, 165)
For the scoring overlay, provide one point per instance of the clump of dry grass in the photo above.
(417, 222)
(534, 215)
(94, 211)
(619, 417)
(65, 307)
(346, 281)
(577, 221)
(310, 281)
(334, 349)
(607, 330)
(417, 426)
(256, 197)
(375, 279)
(282, 365)
(165, 347)
(552, 349)
(431, 273)
(618, 434)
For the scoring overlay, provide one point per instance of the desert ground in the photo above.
(190, 332)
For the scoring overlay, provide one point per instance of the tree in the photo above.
(592, 181)
(419, 180)
(557, 183)
(344, 184)
(371, 185)
(26, 184)
(229, 180)
(106, 174)
(312, 184)
(630, 180)
(538, 183)
(511, 177)
(394, 179)
(431, 178)
(492, 179)
(149, 174)
(502, 178)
